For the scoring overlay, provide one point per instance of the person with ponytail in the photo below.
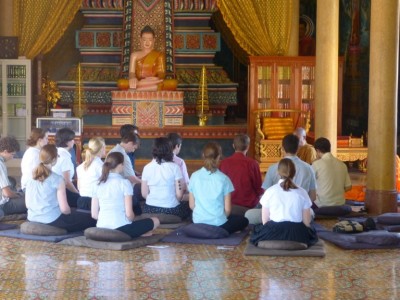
(162, 183)
(112, 201)
(46, 197)
(30, 159)
(89, 172)
(286, 210)
(210, 193)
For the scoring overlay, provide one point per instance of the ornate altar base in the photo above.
(147, 108)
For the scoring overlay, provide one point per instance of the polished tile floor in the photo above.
(39, 270)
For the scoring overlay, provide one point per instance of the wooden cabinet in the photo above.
(15, 104)
(284, 82)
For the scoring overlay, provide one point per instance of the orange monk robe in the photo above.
(357, 193)
(151, 65)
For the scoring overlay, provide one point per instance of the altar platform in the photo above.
(147, 108)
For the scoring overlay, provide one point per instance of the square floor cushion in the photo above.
(339, 210)
(35, 228)
(106, 235)
(389, 219)
(379, 238)
(164, 218)
(204, 231)
(282, 245)
(82, 241)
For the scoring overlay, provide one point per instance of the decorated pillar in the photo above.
(6, 17)
(381, 194)
(326, 72)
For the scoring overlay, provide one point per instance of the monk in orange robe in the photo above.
(147, 66)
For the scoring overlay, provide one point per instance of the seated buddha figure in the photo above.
(147, 66)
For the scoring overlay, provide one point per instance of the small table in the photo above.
(352, 154)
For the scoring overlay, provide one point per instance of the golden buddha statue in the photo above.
(147, 66)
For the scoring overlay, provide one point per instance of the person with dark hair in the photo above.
(210, 193)
(65, 141)
(11, 202)
(129, 143)
(244, 172)
(304, 177)
(30, 159)
(286, 210)
(162, 183)
(123, 131)
(46, 198)
(176, 141)
(333, 179)
(146, 66)
(112, 201)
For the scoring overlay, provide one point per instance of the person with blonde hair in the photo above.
(46, 197)
(89, 172)
(210, 193)
(112, 201)
(286, 210)
(30, 159)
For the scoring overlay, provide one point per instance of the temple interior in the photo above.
(353, 101)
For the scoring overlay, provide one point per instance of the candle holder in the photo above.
(202, 104)
(79, 106)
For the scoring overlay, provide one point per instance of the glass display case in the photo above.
(15, 105)
(53, 124)
(285, 82)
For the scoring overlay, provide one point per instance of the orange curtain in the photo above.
(40, 24)
(260, 27)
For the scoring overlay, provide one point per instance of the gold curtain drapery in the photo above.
(261, 27)
(40, 24)
(230, 40)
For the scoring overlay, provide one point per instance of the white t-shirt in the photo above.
(161, 179)
(111, 196)
(88, 178)
(29, 162)
(285, 205)
(64, 163)
(41, 199)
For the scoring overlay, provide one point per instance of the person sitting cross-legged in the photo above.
(46, 197)
(162, 183)
(11, 202)
(244, 172)
(286, 210)
(304, 177)
(333, 179)
(210, 194)
(112, 201)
